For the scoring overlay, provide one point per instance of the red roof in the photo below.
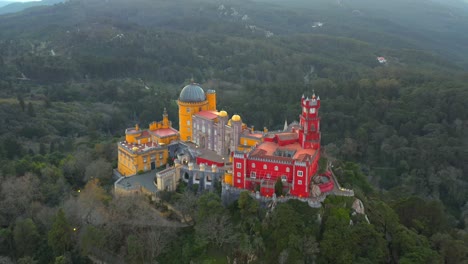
(208, 114)
(165, 132)
(144, 134)
(267, 149)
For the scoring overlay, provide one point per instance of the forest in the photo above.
(74, 75)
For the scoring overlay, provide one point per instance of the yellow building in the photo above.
(192, 100)
(145, 150)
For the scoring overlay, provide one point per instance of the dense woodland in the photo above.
(73, 76)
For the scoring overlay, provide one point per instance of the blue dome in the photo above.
(192, 93)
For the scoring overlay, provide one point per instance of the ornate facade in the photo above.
(146, 149)
(192, 100)
(290, 156)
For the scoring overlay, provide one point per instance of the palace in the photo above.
(147, 149)
(238, 155)
(290, 156)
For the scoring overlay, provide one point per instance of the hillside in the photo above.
(74, 75)
(13, 7)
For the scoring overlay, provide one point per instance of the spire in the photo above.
(313, 94)
(285, 125)
(302, 96)
(192, 80)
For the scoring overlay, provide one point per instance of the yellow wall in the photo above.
(131, 163)
(228, 178)
(211, 97)
(126, 162)
(185, 128)
(246, 143)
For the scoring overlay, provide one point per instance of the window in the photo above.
(287, 169)
(238, 174)
(144, 160)
(238, 181)
(160, 156)
(299, 173)
(264, 166)
(284, 178)
(312, 111)
(253, 175)
(188, 109)
(188, 122)
(245, 142)
(299, 182)
(238, 165)
(253, 165)
(276, 168)
(144, 168)
(268, 176)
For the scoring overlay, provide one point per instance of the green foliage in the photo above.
(135, 250)
(401, 126)
(26, 238)
(279, 187)
(425, 217)
(59, 237)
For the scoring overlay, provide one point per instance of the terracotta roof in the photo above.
(287, 136)
(208, 114)
(144, 134)
(140, 147)
(165, 132)
(267, 150)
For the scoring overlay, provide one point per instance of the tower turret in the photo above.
(310, 122)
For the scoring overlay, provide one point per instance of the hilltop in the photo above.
(75, 75)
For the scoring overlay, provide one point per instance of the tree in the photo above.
(42, 149)
(187, 206)
(31, 111)
(21, 102)
(59, 237)
(99, 169)
(216, 229)
(135, 249)
(279, 187)
(26, 237)
(12, 204)
(27, 260)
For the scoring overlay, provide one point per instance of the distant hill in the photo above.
(9, 7)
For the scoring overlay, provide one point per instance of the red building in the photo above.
(291, 155)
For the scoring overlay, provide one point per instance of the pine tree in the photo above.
(59, 236)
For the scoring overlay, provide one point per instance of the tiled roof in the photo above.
(267, 150)
(165, 132)
(144, 134)
(210, 115)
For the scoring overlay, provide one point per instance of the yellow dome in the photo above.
(236, 118)
(223, 114)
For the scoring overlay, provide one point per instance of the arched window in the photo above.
(276, 168)
(253, 165)
(264, 166)
(287, 169)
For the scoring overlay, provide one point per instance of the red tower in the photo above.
(309, 135)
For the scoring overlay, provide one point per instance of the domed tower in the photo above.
(192, 100)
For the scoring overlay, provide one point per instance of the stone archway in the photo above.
(186, 176)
